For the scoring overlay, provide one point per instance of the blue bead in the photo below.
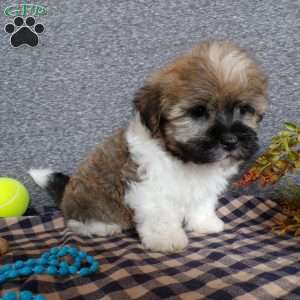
(64, 264)
(78, 260)
(54, 250)
(45, 256)
(52, 257)
(52, 270)
(94, 267)
(66, 248)
(43, 261)
(63, 271)
(84, 272)
(12, 274)
(39, 297)
(77, 265)
(73, 270)
(25, 271)
(82, 254)
(11, 295)
(90, 259)
(73, 251)
(4, 270)
(26, 295)
(30, 262)
(62, 252)
(53, 262)
(38, 269)
(19, 264)
(2, 278)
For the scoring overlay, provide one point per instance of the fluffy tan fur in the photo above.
(214, 73)
(96, 190)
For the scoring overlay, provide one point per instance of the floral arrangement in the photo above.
(281, 158)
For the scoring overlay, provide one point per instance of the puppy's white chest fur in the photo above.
(171, 189)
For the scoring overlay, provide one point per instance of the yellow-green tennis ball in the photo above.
(14, 198)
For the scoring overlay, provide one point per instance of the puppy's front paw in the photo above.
(211, 224)
(167, 241)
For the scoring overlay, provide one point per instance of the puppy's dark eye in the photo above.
(199, 111)
(246, 108)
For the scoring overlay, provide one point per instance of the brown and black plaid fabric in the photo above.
(247, 261)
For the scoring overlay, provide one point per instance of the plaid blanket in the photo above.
(247, 261)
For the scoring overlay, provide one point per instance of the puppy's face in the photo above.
(206, 106)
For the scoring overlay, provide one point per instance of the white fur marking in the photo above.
(41, 176)
(172, 192)
(91, 228)
(204, 223)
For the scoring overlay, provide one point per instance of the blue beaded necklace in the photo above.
(53, 262)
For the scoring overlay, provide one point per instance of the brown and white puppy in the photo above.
(195, 122)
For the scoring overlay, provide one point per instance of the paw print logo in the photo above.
(24, 33)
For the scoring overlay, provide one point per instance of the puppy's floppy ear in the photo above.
(147, 102)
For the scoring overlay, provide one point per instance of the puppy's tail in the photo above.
(53, 182)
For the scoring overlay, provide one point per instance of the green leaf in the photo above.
(290, 126)
(276, 139)
(286, 145)
(262, 161)
(292, 155)
(293, 141)
(275, 157)
(285, 133)
(274, 147)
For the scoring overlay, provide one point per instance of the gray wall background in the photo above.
(61, 98)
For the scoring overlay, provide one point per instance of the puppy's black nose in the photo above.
(229, 141)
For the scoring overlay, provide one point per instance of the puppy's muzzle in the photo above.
(229, 141)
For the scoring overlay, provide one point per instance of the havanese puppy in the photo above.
(196, 121)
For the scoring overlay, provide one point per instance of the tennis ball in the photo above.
(14, 198)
